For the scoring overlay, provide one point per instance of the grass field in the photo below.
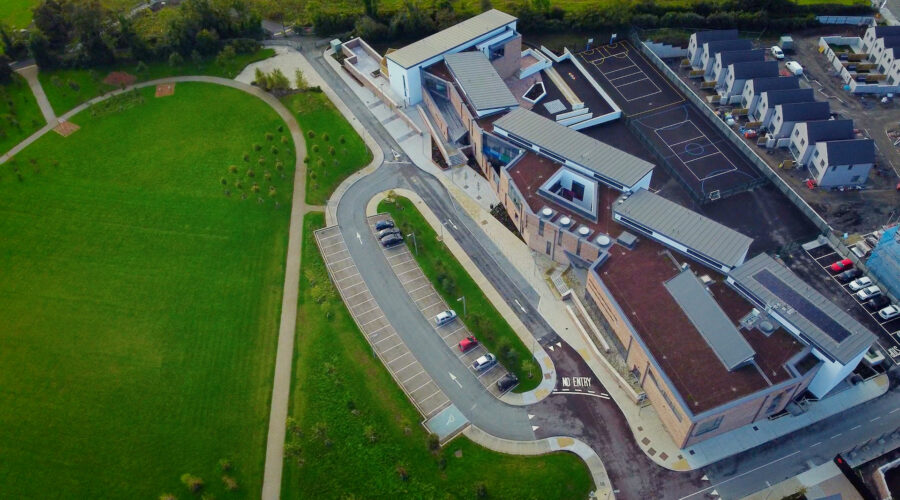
(326, 128)
(139, 304)
(451, 280)
(20, 115)
(343, 394)
(67, 88)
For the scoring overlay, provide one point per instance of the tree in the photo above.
(226, 55)
(41, 51)
(278, 81)
(300, 79)
(260, 79)
(371, 8)
(207, 42)
(194, 484)
(175, 59)
(5, 70)
(486, 5)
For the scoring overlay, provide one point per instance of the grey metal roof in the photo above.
(685, 226)
(450, 38)
(890, 41)
(818, 319)
(605, 160)
(774, 97)
(763, 84)
(716, 46)
(708, 318)
(803, 111)
(828, 130)
(850, 151)
(754, 69)
(733, 56)
(480, 81)
(714, 35)
(883, 31)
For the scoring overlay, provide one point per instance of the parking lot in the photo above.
(387, 345)
(887, 331)
(430, 303)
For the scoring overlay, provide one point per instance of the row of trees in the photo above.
(84, 33)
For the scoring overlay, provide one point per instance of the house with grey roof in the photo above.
(756, 86)
(480, 83)
(787, 115)
(681, 229)
(807, 134)
(767, 101)
(719, 69)
(837, 339)
(843, 162)
(710, 49)
(732, 87)
(876, 32)
(698, 39)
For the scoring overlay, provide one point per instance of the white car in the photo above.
(445, 317)
(484, 362)
(794, 67)
(868, 293)
(777, 53)
(860, 283)
(889, 312)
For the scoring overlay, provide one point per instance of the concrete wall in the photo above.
(666, 51)
(543, 63)
(508, 65)
(437, 118)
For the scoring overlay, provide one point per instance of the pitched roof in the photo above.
(714, 35)
(480, 81)
(450, 38)
(733, 56)
(685, 226)
(753, 69)
(605, 160)
(821, 322)
(850, 151)
(716, 46)
(882, 31)
(710, 320)
(890, 41)
(774, 83)
(784, 96)
(828, 130)
(804, 111)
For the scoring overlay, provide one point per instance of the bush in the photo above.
(311, 134)
(232, 169)
(194, 484)
(315, 148)
(175, 59)
(256, 147)
(269, 136)
(226, 55)
(325, 137)
(434, 442)
(230, 483)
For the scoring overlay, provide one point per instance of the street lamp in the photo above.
(415, 245)
(463, 300)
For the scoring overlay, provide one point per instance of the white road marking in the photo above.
(404, 366)
(814, 445)
(388, 337)
(453, 377)
(854, 428)
(429, 397)
(413, 376)
(339, 260)
(346, 278)
(839, 434)
(894, 410)
(378, 330)
(358, 293)
(421, 386)
(874, 419)
(741, 475)
(359, 237)
(374, 320)
(368, 311)
(520, 305)
(417, 289)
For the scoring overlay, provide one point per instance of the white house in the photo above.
(719, 69)
(767, 101)
(695, 45)
(709, 50)
(787, 115)
(756, 86)
(842, 163)
(732, 88)
(807, 134)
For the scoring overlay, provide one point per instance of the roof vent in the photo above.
(547, 212)
(603, 240)
(564, 221)
(685, 266)
(766, 327)
(584, 230)
(706, 280)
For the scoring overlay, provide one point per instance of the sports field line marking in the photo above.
(610, 72)
(629, 74)
(685, 163)
(690, 140)
(429, 396)
(704, 156)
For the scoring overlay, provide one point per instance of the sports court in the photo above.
(629, 78)
(704, 161)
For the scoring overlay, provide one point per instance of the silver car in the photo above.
(483, 363)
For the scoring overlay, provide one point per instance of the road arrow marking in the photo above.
(714, 493)
(530, 416)
(453, 377)
(359, 237)
(559, 344)
(550, 347)
(520, 306)
(704, 478)
(535, 427)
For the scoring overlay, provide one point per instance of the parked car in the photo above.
(794, 67)
(392, 241)
(387, 232)
(849, 275)
(483, 363)
(889, 312)
(507, 382)
(384, 224)
(841, 265)
(868, 293)
(445, 317)
(467, 343)
(877, 302)
(776, 52)
(860, 283)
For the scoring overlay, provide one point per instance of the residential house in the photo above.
(731, 89)
(695, 44)
(787, 115)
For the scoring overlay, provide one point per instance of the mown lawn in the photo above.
(452, 281)
(67, 88)
(333, 148)
(17, 13)
(139, 303)
(342, 396)
(20, 115)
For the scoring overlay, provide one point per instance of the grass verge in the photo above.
(452, 281)
(67, 88)
(334, 150)
(354, 431)
(139, 304)
(20, 115)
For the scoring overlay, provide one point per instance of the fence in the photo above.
(851, 20)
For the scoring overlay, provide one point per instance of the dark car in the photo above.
(392, 241)
(384, 233)
(507, 382)
(384, 224)
(877, 302)
(849, 275)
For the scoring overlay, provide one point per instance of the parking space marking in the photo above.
(400, 356)
(372, 334)
(386, 338)
(410, 281)
(408, 271)
(369, 310)
(413, 376)
(406, 365)
(421, 386)
(376, 319)
(417, 289)
(394, 347)
(454, 331)
(344, 268)
(333, 262)
(359, 293)
(346, 278)
(488, 370)
(430, 396)
(402, 262)
(329, 237)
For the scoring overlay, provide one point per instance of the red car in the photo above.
(841, 265)
(467, 343)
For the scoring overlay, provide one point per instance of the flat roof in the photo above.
(821, 322)
(685, 226)
(450, 38)
(605, 160)
(709, 319)
(479, 81)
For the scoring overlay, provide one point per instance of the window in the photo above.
(821, 162)
(548, 248)
(498, 51)
(708, 426)
(796, 132)
(854, 179)
(541, 227)
(802, 142)
(775, 402)
(816, 153)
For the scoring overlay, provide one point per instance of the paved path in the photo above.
(30, 73)
(287, 327)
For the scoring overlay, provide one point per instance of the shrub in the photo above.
(331, 150)
(315, 148)
(230, 483)
(267, 176)
(310, 134)
(225, 464)
(342, 139)
(272, 191)
(434, 442)
(194, 484)
(141, 67)
(224, 181)
(279, 165)
(274, 150)
(325, 137)
(281, 128)
(269, 136)
(175, 59)
(238, 184)
(256, 147)
(225, 55)
(402, 472)
(251, 173)
(284, 139)
(246, 156)
(232, 169)
(261, 161)
(254, 187)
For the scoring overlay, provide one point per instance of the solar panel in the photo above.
(802, 305)
(554, 106)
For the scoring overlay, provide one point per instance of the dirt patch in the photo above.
(119, 79)
(66, 129)
(165, 89)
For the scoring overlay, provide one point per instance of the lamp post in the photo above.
(415, 245)
(463, 300)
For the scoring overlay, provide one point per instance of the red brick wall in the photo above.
(508, 65)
